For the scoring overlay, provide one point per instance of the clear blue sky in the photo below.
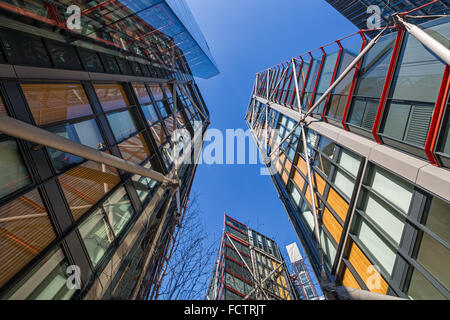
(247, 36)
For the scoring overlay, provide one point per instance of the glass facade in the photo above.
(376, 220)
(247, 257)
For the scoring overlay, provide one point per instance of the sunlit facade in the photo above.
(379, 149)
(109, 86)
(247, 260)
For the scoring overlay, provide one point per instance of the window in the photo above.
(122, 125)
(97, 236)
(421, 289)
(135, 149)
(63, 56)
(328, 249)
(435, 258)
(326, 76)
(25, 230)
(111, 96)
(14, 175)
(438, 219)
(339, 97)
(377, 246)
(312, 77)
(408, 122)
(86, 133)
(56, 102)
(46, 281)
(345, 174)
(156, 91)
(444, 144)
(141, 93)
(91, 60)
(371, 82)
(87, 184)
(150, 114)
(119, 210)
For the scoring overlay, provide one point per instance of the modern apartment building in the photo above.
(120, 84)
(304, 278)
(378, 152)
(249, 266)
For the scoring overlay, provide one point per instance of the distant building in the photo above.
(249, 265)
(304, 279)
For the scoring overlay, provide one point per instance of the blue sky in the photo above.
(247, 36)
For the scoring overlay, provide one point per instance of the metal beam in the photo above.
(428, 41)
(25, 131)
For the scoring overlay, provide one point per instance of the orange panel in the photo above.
(339, 205)
(285, 177)
(288, 165)
(301, 164)
(320, 183)
(308, 197)
(299, 181)
(55, 102)
(373, 280)
(24, 232)
(349, 280)
(111, 96)
(332, 225)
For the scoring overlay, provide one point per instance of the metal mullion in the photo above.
(283, 86)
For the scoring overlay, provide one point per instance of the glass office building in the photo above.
(121, 83)
(304, 278)
(380, 158)
(249, 266)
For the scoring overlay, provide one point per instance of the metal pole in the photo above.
(25, 131)
(428, 41)
(311, 188)
(345, 72)
(330, 89)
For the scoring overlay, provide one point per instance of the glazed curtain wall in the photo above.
(102, 203)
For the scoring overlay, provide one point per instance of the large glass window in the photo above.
(122, 125)
(135, 149)
(325, 79)
(86, 184)
(97, 236)
(435, 258)
(111, 96)
(339, 97)
(119, 210)
(86, 133)
(14, 175)
(371, 82)
(46, 281)
(312, 77)
(25, 230)
(56, 102)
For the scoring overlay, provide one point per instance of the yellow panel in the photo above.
(288, 165)
(339, 205)
(332, 225)
(366, 271)
(301, 164)
(320, 183)
(285, 177)
(299, 181)
(308, 197)
(349, 280)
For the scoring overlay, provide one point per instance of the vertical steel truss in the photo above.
(429, 42)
